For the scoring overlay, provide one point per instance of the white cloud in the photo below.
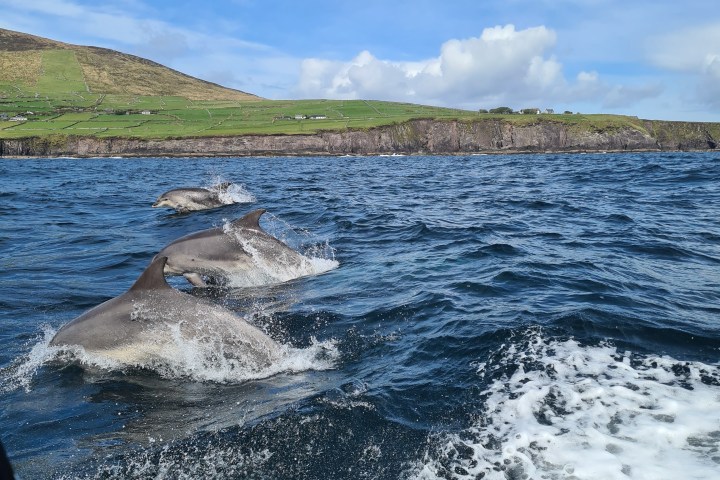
(124, 23)
(128, 26)
(708, 87)
(694, 51)
(47, 7)
(501, 66)
(589, 87)
(621, 96)
(468, 70)
(102, 22)
(687, 49)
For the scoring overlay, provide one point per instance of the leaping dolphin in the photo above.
(153, 322)
(189, 199)
(242, 248)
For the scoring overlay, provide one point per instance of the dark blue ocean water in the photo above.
(522, 316)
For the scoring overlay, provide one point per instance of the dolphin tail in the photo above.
(153, 277)
(250, 221)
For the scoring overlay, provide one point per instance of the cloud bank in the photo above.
(696, 52)
(500, 66)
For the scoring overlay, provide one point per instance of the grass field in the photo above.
(60, 95)
(61, 73)
(77, 113)
(62, 90)
(120, 115)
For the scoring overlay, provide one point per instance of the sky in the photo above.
(655, 59)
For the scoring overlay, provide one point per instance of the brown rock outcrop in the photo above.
(432, 137)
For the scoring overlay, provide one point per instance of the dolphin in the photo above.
(190, 199)
(153, 323)
(242, 247)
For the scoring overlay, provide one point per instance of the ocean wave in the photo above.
(557, 408)
(192, 358)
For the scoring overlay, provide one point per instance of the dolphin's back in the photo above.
(197, 250)
(152, 321)
(100, 327)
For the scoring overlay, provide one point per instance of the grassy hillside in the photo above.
(62, 89)
(122, 115)
(71, 90)
(35, 66)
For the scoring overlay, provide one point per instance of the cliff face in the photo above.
(419, 136)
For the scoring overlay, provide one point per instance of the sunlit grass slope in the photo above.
(33, 65)
(53, 88)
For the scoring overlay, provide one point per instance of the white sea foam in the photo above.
(177, 356)
(202, 360)
(587, 412)
(20, 374)
(235, 193)
(270, 268)
(276, 270)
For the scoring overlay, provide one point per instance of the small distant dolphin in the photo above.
(152, 321)
(190, 199)
(244, 247)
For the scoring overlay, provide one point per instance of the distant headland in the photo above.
(58, 99)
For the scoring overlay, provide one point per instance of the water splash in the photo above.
(20, 373)
(193, 358)
(234, 193)
(586, 412)
(272, 266)
(200, 360)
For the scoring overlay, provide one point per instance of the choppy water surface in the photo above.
(526, 316)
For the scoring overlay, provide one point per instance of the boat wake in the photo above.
(585, 412)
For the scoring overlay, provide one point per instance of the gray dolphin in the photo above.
(190, 199)
(242, 247)
(153, 322)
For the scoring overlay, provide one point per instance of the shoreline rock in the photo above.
(424, 137)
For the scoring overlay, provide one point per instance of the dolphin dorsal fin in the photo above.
(250, 221)
(153, 278)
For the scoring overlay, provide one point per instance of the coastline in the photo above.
(417, 137)
(337, 155)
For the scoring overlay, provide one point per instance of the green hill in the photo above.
(53, 91)
(46, 68)
(54, 88)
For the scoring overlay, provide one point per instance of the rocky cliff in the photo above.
(431, 137)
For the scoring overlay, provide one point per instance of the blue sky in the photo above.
(657, 59)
